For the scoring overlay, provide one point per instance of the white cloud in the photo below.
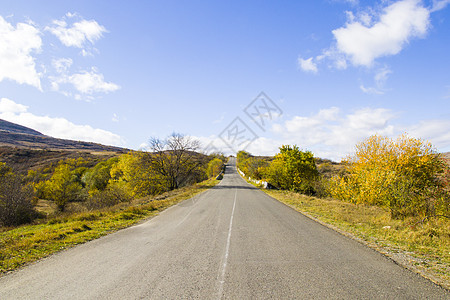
(307, 65)
(56, 127)
(370, 90)
(62, 65)
(331, 134)
(17, 44)
(398, 23)
(9, 106)
(85, 83)
(436, 131)
(439, 4)
(373, 34)
(380, 79)
(91, 82)
(78, 34)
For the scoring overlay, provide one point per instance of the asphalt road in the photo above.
(231, 242)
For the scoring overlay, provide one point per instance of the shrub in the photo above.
(15, 199)
(293, 169)
(110, 196)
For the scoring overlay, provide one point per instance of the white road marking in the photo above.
(227, 251)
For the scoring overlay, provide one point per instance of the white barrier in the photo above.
(263, 183)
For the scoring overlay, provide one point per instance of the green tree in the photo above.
(98, 177)
(293, 169)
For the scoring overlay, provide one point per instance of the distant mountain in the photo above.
(15, 128)
(14, 135)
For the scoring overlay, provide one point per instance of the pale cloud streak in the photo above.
(17, 46)
(56, 127)
(380, 79)
(439, 4)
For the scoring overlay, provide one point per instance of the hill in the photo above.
(15, 128)
(17, 136)
(23, 148)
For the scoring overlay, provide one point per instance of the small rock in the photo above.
(387, 227)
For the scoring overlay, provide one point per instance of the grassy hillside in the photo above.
(21, 160)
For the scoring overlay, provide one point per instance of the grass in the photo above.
(25, 244)
(423, 247)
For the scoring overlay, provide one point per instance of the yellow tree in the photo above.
(63, 186)
(403, 175)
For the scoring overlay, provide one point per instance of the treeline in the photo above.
(404, 175)
(170, 164)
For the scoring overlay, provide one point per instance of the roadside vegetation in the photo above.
(394, 194)
(75, 200)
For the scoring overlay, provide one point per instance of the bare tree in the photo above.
(176, 160)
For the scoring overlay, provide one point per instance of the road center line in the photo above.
(227, 250)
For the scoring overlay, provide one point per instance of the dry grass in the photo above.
(422, 247)
(28, 243)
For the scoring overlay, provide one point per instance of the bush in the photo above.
(293, 169)
(252, 166)
(403, 175)
(111, 196)
(15, 199)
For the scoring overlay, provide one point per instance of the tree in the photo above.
(63, 186)
(176, 160)
(293, 169)
(15, 199)
(214, 167)
(134, 174)
(97, 177)
(404, 175)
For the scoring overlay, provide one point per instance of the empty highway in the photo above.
(231, 242)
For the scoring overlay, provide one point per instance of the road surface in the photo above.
(231, 242)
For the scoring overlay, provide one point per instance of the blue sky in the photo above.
(120, 72)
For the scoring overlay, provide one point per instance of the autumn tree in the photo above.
(176, 159)
(63, 186)
(403, 175)
(214, 167)
(134, 175)
(293, 169)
